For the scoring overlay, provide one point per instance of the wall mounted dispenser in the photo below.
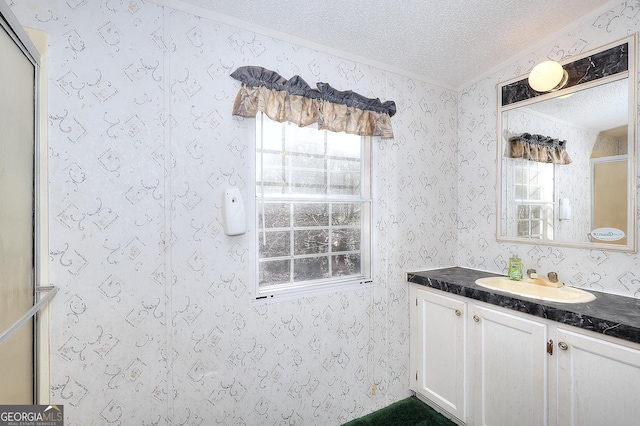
(233, 220)
(565, 209)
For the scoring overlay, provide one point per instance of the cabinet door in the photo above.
(509, 369)
(598, 381)
(438, 352)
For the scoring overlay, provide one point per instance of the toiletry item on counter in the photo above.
(515, 268)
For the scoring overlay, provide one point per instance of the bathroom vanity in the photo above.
(485, 357)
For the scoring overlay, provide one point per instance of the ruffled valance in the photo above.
(295, 101)
(542, 149)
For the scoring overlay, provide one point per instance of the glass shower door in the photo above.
(609, 192)
(17, 144)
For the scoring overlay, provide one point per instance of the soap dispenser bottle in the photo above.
(515, 268)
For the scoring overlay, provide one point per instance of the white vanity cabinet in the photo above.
(438, 349)
(491, 366)
(509, 380)
(598, 380)
(464, 352)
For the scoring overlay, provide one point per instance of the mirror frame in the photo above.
(517, 93)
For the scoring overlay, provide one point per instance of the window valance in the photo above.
(295, 101)
(542, 149)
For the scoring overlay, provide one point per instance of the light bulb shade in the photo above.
(548, 76)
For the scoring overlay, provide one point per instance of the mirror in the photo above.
(566, 160)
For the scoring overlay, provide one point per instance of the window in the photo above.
(534, 199)
(313, 208)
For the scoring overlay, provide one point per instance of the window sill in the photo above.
(283, 295)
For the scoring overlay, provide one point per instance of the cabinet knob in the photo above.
(476, 318)
(458, 312)
(563, 346)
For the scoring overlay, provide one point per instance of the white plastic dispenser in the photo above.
(565, 209)
(233, 220)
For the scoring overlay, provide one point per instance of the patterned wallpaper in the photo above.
(608, 271)
(154, 323)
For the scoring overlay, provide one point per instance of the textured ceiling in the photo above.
(448, 42)
(611, 115)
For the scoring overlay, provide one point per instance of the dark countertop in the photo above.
(609, 314)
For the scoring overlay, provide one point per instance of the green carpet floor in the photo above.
(408, 412)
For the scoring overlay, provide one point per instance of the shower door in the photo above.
(17, 232)
(609, 193)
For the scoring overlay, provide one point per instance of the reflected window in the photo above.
(533, 195)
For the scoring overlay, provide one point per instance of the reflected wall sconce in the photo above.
(548, 76)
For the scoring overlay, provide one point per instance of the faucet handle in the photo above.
(531, 273)
(553, 277)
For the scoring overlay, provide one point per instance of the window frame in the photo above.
(310, 288)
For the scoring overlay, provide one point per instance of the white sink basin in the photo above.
(535, 291)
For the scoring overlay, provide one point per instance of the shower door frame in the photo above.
(40, 325)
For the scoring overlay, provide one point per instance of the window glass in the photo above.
(313, 208)
(534, 194)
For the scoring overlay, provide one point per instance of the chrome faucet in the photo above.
(551, 280)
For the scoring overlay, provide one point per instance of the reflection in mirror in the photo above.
(573, 179)
(590, 134)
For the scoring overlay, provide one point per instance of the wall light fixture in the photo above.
(548, 76)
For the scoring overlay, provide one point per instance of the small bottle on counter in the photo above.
(515, 268)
